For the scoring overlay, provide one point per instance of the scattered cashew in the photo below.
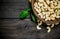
(52, 25)
(38, 27)
(49, 29)
(39, 24)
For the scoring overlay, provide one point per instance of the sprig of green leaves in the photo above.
(24, 13)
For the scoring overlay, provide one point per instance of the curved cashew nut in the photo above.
(49, 29)
(52, 25)
(40, 23)
(39, 28)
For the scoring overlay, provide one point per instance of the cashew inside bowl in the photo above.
(48, 10)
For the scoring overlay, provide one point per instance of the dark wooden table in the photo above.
(13, 28)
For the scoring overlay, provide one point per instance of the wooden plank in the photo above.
(25, 29)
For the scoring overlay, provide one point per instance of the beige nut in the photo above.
(49, 29)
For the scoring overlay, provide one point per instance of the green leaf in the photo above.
(33, 18)
(24, 13)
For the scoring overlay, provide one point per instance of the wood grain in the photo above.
(25, 29)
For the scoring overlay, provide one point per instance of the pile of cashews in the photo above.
(47, 9)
